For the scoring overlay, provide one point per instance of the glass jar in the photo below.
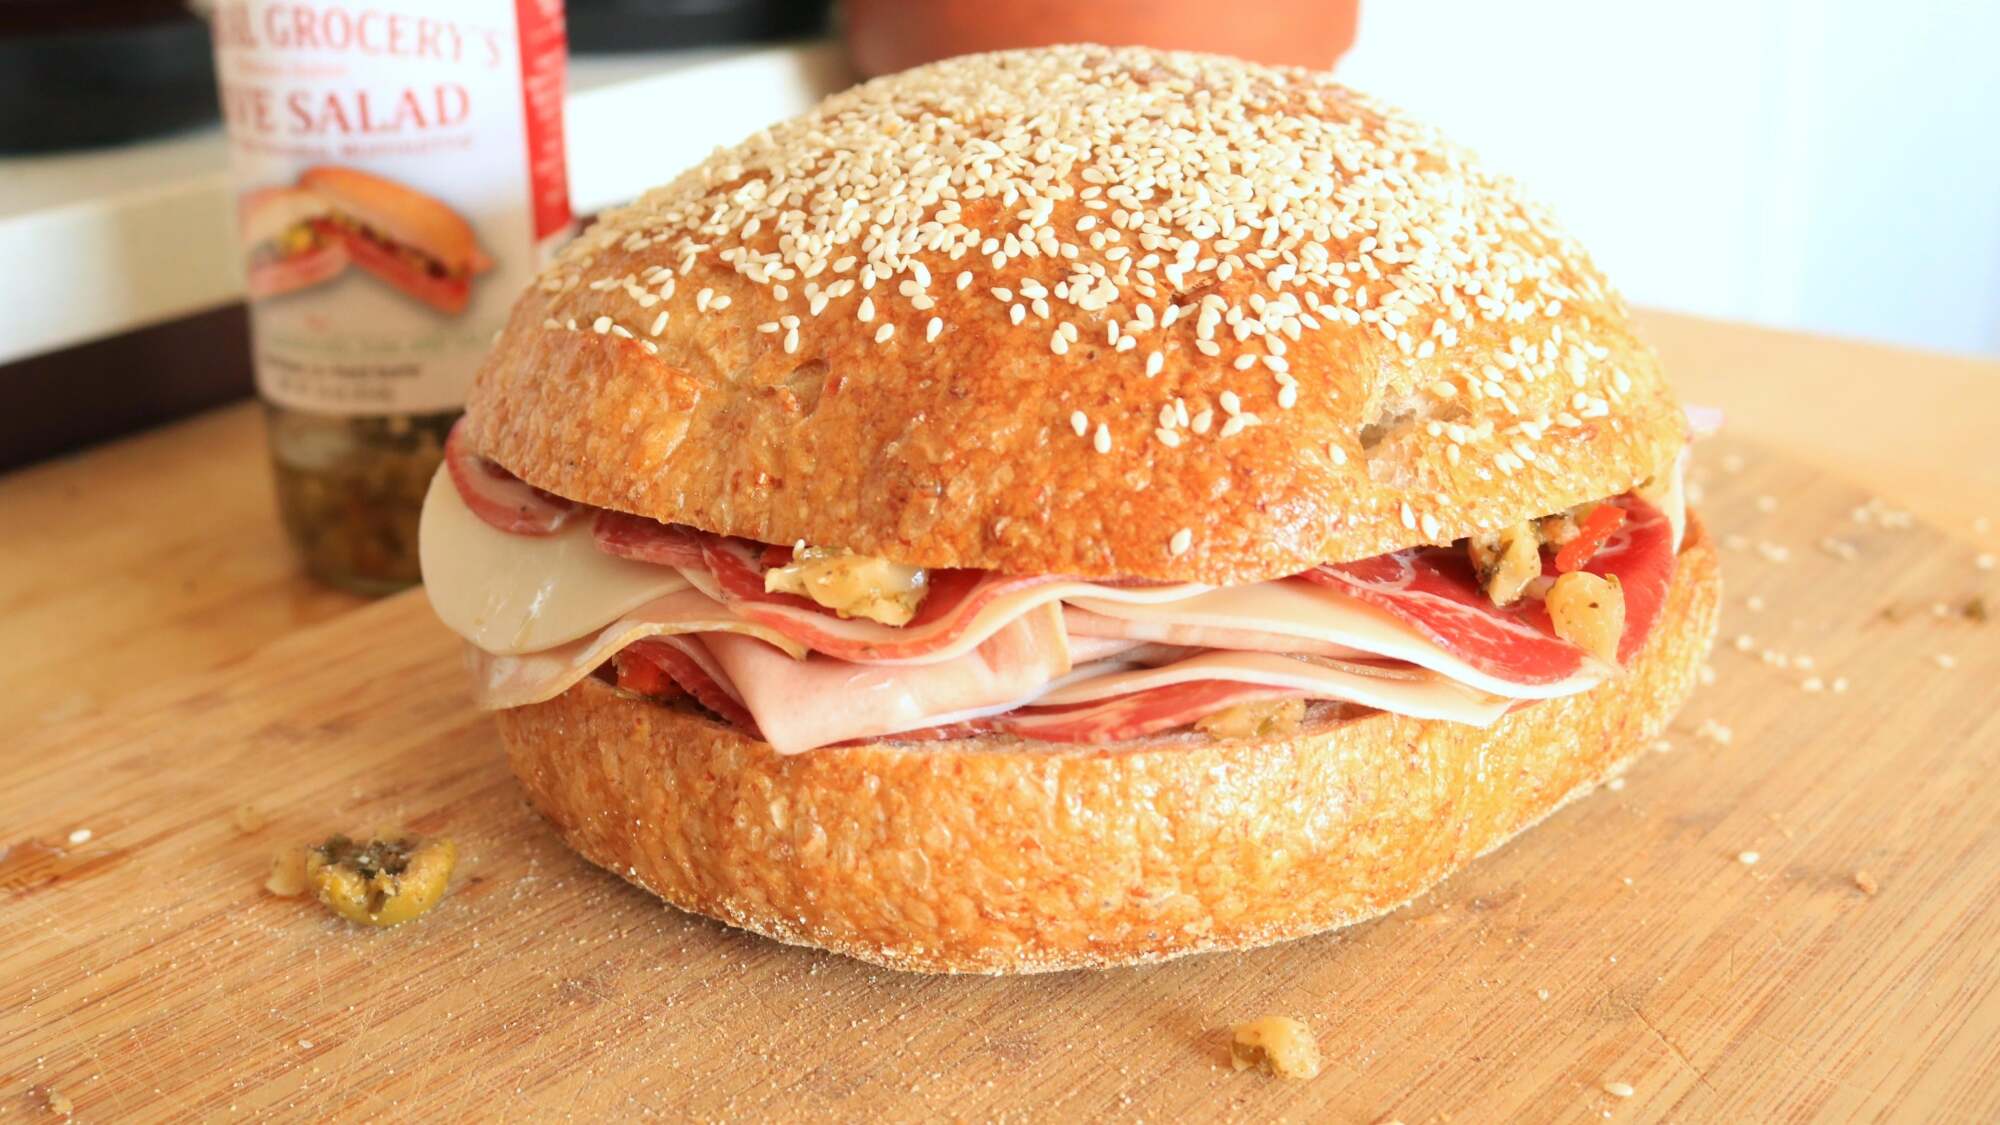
(400, 179)
(349, 490)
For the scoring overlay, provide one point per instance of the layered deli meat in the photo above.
(805, 647)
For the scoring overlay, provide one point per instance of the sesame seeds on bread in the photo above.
(1113, 313)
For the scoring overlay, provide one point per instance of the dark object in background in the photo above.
(63, 400)
(82, 73)
(640, 25)
(884, 36)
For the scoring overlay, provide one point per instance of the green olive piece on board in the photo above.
(383, 882)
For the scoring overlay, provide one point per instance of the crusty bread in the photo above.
(400, 211)
(998, 855)
(1456, 361)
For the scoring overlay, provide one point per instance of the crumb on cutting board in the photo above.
(58, 1102)
(288, 872)
(1280, 1044)
(1865, 883)
(249, 819)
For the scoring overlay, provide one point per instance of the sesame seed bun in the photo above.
(999, 855)
(401, 212)
(1114, 313)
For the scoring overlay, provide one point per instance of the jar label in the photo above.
(400, 173)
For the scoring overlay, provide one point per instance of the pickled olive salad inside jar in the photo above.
(399, 176)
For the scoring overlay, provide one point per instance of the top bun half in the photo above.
(1111, 313)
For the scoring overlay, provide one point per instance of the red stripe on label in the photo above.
(544, 66)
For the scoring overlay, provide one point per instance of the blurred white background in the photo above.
(1832, 167)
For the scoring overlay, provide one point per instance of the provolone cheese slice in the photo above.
(1422, 696)
(513, 594)
(1294, 608)
(502, 681)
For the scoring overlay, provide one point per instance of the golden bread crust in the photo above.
(1000, 856)
(716, 353)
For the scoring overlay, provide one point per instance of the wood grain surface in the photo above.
(142, 561)
(144, 974)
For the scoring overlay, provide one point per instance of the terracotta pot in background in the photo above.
(890, 35)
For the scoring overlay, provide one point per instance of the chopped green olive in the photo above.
(383, 882)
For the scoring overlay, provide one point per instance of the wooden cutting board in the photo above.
(1852, 969)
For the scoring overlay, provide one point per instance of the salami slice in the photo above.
(962, 608)
(1136, 714)
(1434, 590)
(649, 541)
(498, 496)
(1083, 623)
(690, 674)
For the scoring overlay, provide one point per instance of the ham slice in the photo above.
(800, 704)
(1120, 701)
(1086, 650)
(1085, 623)
(1115, 700)
(502, 681)
(1384, 686)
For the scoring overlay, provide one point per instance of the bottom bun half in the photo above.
(996, 855)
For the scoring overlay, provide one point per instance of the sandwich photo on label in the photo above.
(410, 241)
(1069, 507)
(287, 245)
